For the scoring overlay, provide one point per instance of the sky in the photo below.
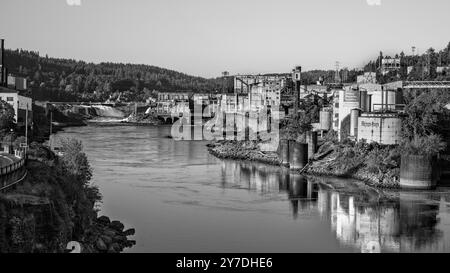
(206, 37)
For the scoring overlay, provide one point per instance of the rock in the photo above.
(130, 243)
(106, 239)
(129, 232)
(120, 239)
(101, 245)
(103, 220)
(116, 225)
(109, 232)
(114, 248)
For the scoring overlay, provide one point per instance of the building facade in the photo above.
(23, 106)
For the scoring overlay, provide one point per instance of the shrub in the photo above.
(429, 145)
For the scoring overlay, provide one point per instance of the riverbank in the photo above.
(56, 204)
(331, 159)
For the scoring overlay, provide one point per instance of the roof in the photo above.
(7, 90)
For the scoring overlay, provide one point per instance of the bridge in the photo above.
(418, 85)
(426, 84)
(12, 170)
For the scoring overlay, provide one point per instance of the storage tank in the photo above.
(363, 101)
(354, 115)
(391, 99)
(325, 120)
(399, 98)
(418, 172)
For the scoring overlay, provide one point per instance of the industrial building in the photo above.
(366, 104)
(244, 83)
(17, 83)
(389, 64)
(384, 128)
(173, 96)
(21, 105)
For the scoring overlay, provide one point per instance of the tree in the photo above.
(6, 116)
(75, 161)
(425, 113)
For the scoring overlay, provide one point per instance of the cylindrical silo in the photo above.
(363, 101)
(354, 122)
(391, 97)
(369, 103)
(325, 120)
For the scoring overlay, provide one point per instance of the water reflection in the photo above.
(366, 221)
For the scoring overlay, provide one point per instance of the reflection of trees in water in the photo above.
(418, 220)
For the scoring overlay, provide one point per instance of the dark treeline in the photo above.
(67, 79)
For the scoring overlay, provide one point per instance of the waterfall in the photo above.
(107, 111)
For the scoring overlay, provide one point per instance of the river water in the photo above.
(181, 199)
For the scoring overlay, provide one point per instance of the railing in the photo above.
(426, 84)
(380, 107)
(11, 174)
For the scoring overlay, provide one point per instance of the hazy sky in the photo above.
(206, 37)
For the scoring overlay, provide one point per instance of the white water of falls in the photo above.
(107, 111)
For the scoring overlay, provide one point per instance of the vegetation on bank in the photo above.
(55, 204)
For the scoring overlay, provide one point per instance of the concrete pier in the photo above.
(298, 155)
(284, 152)
(311, 139)
(418, 172)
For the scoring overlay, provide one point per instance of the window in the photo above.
(10, 99)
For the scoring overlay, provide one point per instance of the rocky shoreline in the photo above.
(321, 165)
(107, 236)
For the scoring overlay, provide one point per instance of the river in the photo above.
(181, 199)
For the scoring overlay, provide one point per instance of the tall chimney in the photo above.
(296, 77)
(2, 63)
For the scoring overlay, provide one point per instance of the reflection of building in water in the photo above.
(302, 193)
(368, 228)
(268, 180)
(417, 222)
(261, 178)
(413, 222)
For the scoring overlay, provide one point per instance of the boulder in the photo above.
(106, 239)
(117, 226)
(109, 232)
(120, 239)
(101, 246)
(103, 220)
(129, 232)
(114, 248)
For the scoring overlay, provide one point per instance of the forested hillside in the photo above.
(431, 65)
(67, 79)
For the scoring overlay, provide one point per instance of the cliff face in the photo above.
(51, 207)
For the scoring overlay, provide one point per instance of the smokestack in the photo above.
(2, 63)
(296, 77)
